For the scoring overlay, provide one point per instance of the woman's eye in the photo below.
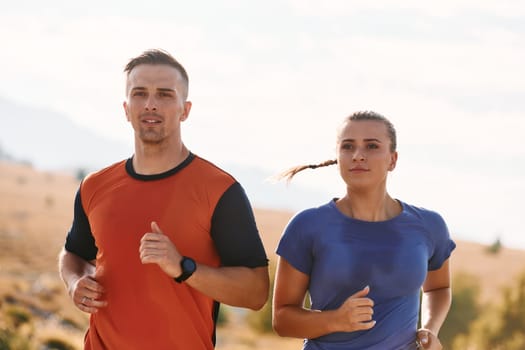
(347, 146)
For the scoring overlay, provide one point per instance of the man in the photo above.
(160, 239)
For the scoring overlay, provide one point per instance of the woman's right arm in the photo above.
(291, 319)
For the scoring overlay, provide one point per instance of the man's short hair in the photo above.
(157, 56)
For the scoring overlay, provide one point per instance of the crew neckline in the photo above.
(333, 205)
(131, 171)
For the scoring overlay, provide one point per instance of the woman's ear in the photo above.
(393, 161)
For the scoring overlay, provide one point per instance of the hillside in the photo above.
(35, 213)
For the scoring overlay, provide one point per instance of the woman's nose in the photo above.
(358, 155)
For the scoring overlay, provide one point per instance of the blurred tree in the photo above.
(464, 310)
(13, 334)
(55, 343)
(512, 315)
(223, 316)
(495, 247)
(261, 320)
(80, 174)
(501, 327)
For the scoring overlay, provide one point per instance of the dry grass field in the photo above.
(36, 210)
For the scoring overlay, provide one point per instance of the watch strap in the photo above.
(188, 267)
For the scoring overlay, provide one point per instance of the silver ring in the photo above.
(84, 298)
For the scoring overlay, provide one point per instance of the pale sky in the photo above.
(271, 80)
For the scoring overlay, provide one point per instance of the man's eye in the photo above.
(139, 93)
(372, 146)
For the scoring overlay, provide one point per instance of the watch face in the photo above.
(188, 265)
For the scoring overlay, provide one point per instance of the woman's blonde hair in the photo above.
(356, 116)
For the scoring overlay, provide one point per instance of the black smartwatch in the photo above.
(188, 267)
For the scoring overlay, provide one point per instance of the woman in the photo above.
(364, 258)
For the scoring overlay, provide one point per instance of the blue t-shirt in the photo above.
(342, 255)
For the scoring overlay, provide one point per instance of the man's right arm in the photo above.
(79, 277)
(76, 263)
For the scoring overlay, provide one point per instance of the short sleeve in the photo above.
(443, 244)
(234, 231)
(295, 244)
(79, 239)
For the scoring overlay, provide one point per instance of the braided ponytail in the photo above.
(356, 116)
(290, 173)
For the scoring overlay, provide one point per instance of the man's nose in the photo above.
(151, 103)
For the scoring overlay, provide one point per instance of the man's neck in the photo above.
(156, 159)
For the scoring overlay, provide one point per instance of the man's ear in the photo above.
(187, 109)
(125, 105)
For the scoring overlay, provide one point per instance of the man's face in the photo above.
(155, 104)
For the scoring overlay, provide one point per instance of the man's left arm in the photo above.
(233, 285)
(242, 280)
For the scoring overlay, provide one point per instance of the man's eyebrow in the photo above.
(366, 140)
(141, 88)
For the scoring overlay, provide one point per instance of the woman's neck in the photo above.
(378, 206)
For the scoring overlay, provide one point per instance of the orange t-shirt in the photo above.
(146, 308)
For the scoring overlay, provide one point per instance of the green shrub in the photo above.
(261, 321)
(10, 340)
(57, 344)
(495, 247)
(512, 316)
(16, 316)
(223, 316)
(464, 310)
(70, 323)
(501, 327)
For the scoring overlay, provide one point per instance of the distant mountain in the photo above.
(50, 140)
(266, 194)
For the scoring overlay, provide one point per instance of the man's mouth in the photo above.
(151, 121)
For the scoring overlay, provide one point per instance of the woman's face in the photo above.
(363, 153)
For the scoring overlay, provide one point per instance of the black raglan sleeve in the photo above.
(234, 231)
(79, 239)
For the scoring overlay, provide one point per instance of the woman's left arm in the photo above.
(436, 300)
